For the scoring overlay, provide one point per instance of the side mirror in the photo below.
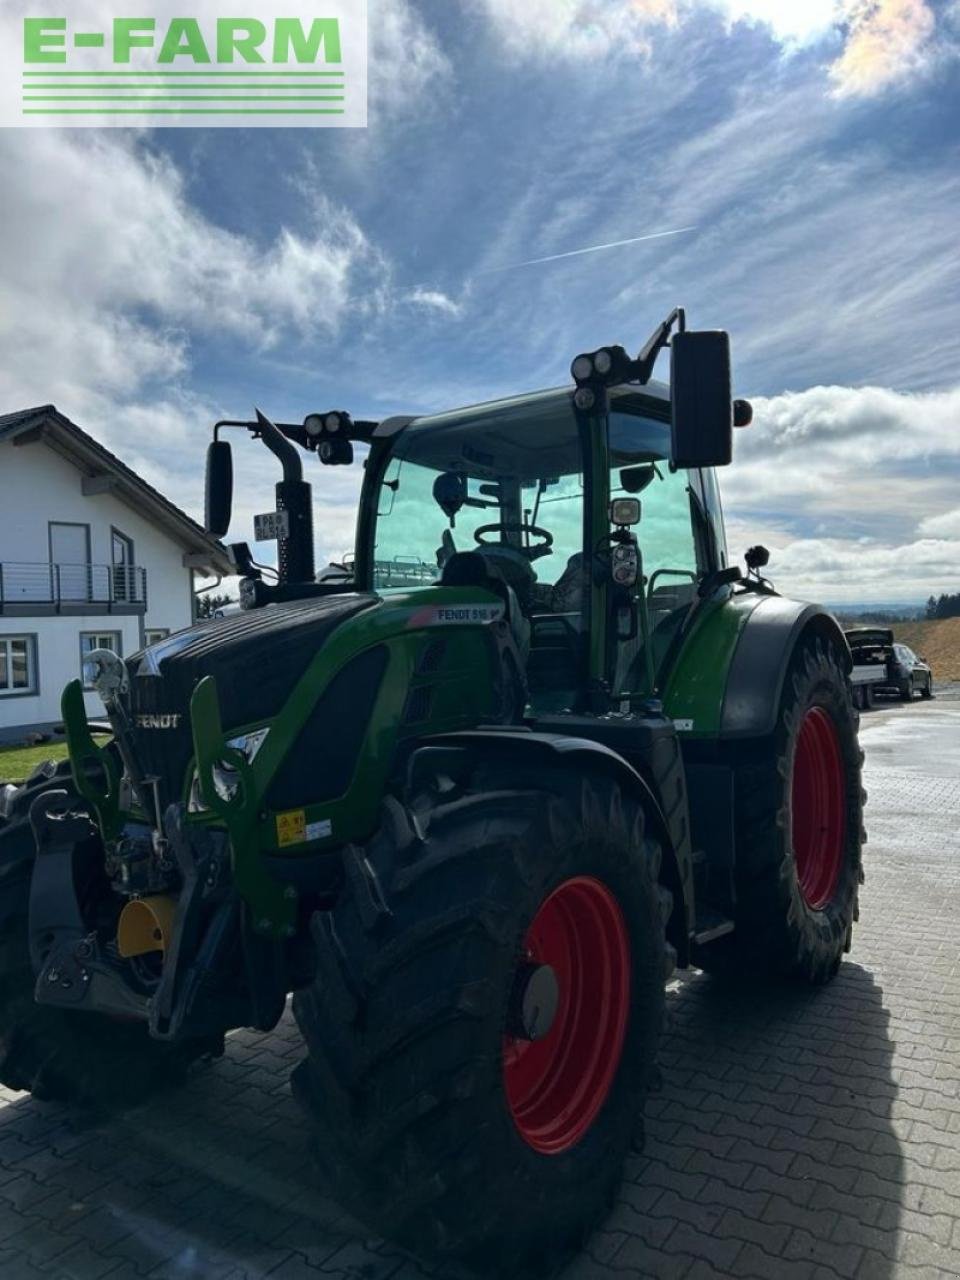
(701, 399)
(219, 488)
(636, 479)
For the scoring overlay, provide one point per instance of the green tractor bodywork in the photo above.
(688, 687)
(540, 589)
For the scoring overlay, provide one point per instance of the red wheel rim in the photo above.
(556, 1086)
(819, 808)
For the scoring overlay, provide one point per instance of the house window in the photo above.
(90, 640)
(155, 636)
(18, 665)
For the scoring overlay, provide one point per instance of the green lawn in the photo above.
(17, 762)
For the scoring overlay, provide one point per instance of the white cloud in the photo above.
(105, 267)
(945, 525)
(435, 300)
(887, 42)
(109, 276)
(407, 64)
(853, 489)
(575, 29)
(882, 42)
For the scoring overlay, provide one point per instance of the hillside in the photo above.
(936, 642)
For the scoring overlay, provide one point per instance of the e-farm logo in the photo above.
(300, 63)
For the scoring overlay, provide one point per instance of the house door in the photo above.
(70, 561)
(122, 549)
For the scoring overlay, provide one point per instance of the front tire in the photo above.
(906, 693)
(442, 1124)
(798, 831)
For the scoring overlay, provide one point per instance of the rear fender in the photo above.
(762, 658)
(457, 753)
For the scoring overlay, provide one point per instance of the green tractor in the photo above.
(471, 801)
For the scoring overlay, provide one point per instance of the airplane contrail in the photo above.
(594, 248)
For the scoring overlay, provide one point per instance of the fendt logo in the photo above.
(282, 62)
(164, 720)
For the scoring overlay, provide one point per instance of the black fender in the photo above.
(760, 662)
(441, 752)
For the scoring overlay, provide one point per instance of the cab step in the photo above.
(710, 925)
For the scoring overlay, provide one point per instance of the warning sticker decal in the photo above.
(291, 827)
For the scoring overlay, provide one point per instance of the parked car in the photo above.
(909, 674)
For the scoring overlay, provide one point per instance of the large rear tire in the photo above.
(441, 1125)
(799, 831)
(62, 1054)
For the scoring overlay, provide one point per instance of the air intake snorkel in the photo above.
(295, 560)
(292, 522)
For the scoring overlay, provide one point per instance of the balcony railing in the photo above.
(108, 587)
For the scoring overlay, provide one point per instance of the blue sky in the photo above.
(150, 282)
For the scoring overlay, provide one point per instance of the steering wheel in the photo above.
(543, 548)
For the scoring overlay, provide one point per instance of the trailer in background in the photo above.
(873, 658)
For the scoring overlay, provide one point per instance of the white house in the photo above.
(91, 556)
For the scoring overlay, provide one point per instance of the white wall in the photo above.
(37, 486)
(58, 661)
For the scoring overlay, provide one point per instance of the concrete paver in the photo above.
(798, 1133)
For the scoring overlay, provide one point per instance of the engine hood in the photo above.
(256, 658)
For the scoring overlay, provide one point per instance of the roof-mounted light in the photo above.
(607, 366)
(582, 369)
(318, 425)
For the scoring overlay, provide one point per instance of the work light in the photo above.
(313, 424)
(582, 368)
(608, 365)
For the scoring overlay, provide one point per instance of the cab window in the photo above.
(505, 481)
(674, 536)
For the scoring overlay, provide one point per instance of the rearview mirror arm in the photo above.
(656, 342)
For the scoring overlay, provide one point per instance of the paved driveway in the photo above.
(798, 1134)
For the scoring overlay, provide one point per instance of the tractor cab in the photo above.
(591, 514)
(595, 541)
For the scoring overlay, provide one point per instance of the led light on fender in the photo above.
(582, 368)
(248, 744)
(313, 424)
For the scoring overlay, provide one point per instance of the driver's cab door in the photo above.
(506, 483)
(680, 541)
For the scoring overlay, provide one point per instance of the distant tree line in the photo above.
(207, 604)
(878, 617)
(943, 607)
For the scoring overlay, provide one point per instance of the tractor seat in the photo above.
(470, 569)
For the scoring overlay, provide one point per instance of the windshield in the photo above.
(509, 479)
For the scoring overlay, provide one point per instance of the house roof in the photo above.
(106, 473)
